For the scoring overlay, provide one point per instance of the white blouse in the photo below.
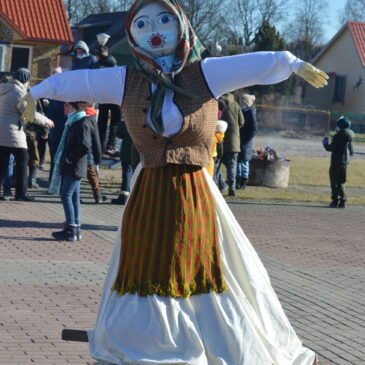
(223, 74)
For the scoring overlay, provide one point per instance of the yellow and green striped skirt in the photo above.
(170, 236)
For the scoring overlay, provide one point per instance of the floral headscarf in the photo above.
(188, 50)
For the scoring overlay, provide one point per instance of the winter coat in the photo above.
(126, 146)
(341, 147)
(83, 63)
(56, 112)
(95, 150)
(78, 143)
(11, 125)
(247, 133)
(105, 61)
(233, 116)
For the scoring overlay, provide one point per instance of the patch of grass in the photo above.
(314, 172)
(309, 182)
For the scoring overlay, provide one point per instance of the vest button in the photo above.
(154, 137)
(148, 98)
(144, 126)
(145, 110)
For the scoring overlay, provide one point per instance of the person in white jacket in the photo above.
(12, 135)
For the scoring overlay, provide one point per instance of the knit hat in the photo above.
(344, 123)
(22, 75)
(82, 45)
(248, 99)
(221, 126)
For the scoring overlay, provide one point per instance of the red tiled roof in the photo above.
(357, 30)
(38, 20)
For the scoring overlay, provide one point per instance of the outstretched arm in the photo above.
(225, 74)
(104, 85)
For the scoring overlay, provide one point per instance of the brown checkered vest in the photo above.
(193, 144)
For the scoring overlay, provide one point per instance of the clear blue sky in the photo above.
(335, 7)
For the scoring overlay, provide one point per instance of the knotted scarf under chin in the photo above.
(163, 82)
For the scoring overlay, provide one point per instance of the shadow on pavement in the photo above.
(8, 223)
(303, 205)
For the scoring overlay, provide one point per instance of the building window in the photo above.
(21, 57)
(2, 57)
(340, 89)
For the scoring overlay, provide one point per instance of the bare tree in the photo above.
(80, 9)
(249, 15)
(206, 17)
(354, 10)
(310, 17)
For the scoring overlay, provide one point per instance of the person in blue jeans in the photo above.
(70, 166)
(247, 134)
(8, 178)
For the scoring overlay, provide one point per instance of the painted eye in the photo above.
(141, 24)
(165, 19)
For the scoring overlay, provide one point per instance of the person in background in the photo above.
(12, 135)
(70, 166)
(108, 143)
(232, 114)
(55, 112)
(42, 139)
(126, 160)
(94, 155)
(34, 134)
(341, 148)
(247, 133)
(81, 57)
(8, 179)
(218, 138)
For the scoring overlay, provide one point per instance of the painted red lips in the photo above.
(157, 40)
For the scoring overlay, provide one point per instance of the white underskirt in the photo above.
(244, 326)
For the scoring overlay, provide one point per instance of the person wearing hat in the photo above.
(340, 148)
(82, 58)
(12, 135)
(184, 284)
(247, 133)
(104, 59)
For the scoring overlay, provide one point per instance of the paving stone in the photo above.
(315, 258)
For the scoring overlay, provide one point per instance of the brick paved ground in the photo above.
(315, 257)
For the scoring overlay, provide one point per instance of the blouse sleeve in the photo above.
(225, 74)
(105, 85)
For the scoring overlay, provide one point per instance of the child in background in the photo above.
(218, 138)
(217, 149)
(70, 166)
(341, 148)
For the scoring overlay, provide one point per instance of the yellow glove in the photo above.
(28, 115)
(312, 75)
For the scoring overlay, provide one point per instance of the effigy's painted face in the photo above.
(155, 29)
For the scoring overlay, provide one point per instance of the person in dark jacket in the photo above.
(126, 160)
(94, 156)
(341, 148)
(71, 166)
(231, 144)
(82, 58)
(247, 133)
(108, 144)
(35, 135)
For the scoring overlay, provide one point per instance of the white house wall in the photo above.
(342, 59)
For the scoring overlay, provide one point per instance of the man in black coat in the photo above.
(108, 145)
(247, 133)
